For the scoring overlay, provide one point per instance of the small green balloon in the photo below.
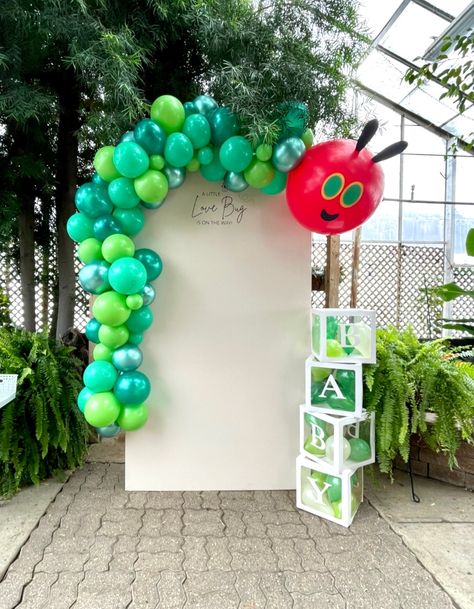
(360, 450)
(134, 301)
(131, 220)
(319, 477)
(236, 154)
(104, 165)
(335, 490)
(157, 162)
(102, 409)
(79, 227)
(314, 450)
(90, 250)
(264, 152)
(179, 149)
(197, 129)
(152, 186)
(102, 353)
(122, 193)
(132, 418)
(320, 374)
(193, 165)
(337, 508)
(117, 246)
(205, 155)
(113, 337)
(308, 138)
(334, 349)
(169, 113)
(111, 309)
(213, 171)
(277, 185)
(130, 159)
(259, 174)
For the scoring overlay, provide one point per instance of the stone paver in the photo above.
(98, 546)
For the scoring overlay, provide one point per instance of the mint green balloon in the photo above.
(205, 155)
(197, 129)
(277, 185)
(79, 227)
(131, 220)
(214, 171)
(236, 154)
(122, 193)
(178, 150)
(130, 159)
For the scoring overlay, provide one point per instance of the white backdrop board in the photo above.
(226, 352)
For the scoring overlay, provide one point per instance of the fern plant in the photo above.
(410, 379)
(42, 432)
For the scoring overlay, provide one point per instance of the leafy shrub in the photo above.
(42, 432)
(410, 379)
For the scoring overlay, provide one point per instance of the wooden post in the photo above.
(333, 271)
(355, 267)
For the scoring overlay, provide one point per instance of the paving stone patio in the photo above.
(100, 547)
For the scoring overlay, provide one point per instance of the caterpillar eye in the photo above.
(352, 194)
(332, 186)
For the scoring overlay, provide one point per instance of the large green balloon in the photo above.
(198, 130)
(152, 186)
(132, 387)
(102, 409)
(104, 165)
(90, 250)
(213, 171)
(111, 309)
(204, 104)
(259, 173)
(100, 376)
(151, 261)
(277, 185)
(127, 276)
(117, 246)
(102, 353)
(79, 227)
(132, 418)
(130, 159)
(122, 193)
(113, 337)
(93, 200)
(224, 124)
(131, 220)
(169, 113)
(236, 153)
(139, 321)
(179, 149)
(150, 136)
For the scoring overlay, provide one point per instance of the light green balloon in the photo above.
(193, 165)
(259, 174)
(152, 186)
(134, 302)
(308, 138)
(132, 418)
(103, 163)
(117, 246)
(157, 162)
(111, 309)
(102, 409)
(102, 353)
(169, 113)
(264, 152)
(113, 337)
(90, 250)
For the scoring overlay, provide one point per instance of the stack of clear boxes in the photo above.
(337, 436)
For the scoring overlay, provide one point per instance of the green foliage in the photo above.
(410, 379)
(42, 432)
(5, 319)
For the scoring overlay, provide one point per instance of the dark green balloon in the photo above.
(214, 171)
(360, 450)
(224, 124)
(335, 490)
(131, 220)
(104, 226)
(150, 136)
(93, 200)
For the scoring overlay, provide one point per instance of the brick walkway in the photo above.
(99, 547)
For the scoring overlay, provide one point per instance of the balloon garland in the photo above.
(139, 171)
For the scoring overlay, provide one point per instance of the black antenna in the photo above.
(367, 134)
(390, 151)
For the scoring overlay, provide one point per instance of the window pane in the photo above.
(383, 225)
(463, 221)
(423, 222)
(423, 178)
(464, 182)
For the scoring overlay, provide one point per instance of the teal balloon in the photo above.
(214, 171)
(288, 153)
(100, 376)
(154, 205)
(175, 175)
(110, 431)
(98, 180)
(122, 193)
(130, 159)
(135, 339)
(235, 181)
(79, 227)
(151, 261)
(178, 150)
(335, 490)
(148, 294)
(189, 109)
(82, 398)
(205, 104)
(198, 130)
(236, 153)
(127, 276)
(205, 155)
(277, 185)
(92, 330)
(295, 119)
(93, 200)
(150, 136)
(128, 136)
(127, 358)
(131, 220)
(132, 388)
(140, 320)
(93, 277)
(106, 226)
(224, 124)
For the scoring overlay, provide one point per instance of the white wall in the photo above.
(226, 351)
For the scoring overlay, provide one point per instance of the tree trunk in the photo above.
(26, 224)
(69, 99)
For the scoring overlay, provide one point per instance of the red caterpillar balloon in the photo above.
(339, 184)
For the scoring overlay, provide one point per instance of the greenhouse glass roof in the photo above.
(407, 34)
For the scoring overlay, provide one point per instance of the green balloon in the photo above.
(100, 376)
(90, 250)
(236, 154)
(92, 199)
(152, 186)
(104, 165)
(132, 418)
(102, 409)
(122, 193)
(127, 276)
(332, 327)
(113, 337)
(224, 124)
(79, 227)
(277, 185)
(264, 152)
(319, 477)
(334, 349)
(117, 246)
(320, 374)
(308, 138)
(102, 353)
(314, 450)
(337, 508)
(193, 165)
(111, 309)
(360, 449)
(150, 136)
(130, 159)
(131, 220)
(335, 490)
(346, 379)
(157, 162)
(135, 339)
(140, 320)
(259, 174)
(179, 149)
(346, 404)
(134, 301)
(213, 171)
(169, 113)
(205, 155)
(197, 129)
